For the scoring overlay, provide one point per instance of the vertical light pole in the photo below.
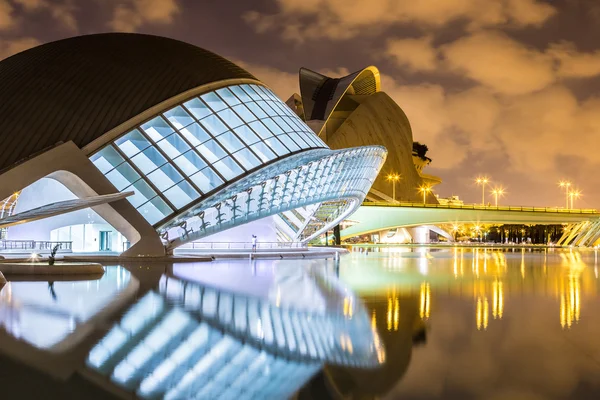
(482, 180)
(497, 191)
(565, 185)
(394, 178)
(424, 190)
(574, 194)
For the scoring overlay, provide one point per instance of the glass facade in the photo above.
(198, 146)
(338, 179)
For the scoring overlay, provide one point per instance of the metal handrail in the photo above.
(6, 244)
(554, 210)
(241, 245)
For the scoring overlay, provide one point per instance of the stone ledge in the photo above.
(59, 268)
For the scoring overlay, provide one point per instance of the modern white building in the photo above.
(195, 144)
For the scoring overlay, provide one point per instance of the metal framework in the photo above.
(337, 182)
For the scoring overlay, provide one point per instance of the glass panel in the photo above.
(288, 142)
(132, 143)
(149, 160)
(228, 96)
(271, 95)
(155, 210)
(230, 118)
(243, 112)
(263, 152)
(246, 134)
(143, 192)
(106, 159)
(190, 163)
(276, 145)
(122, 176)
(165, 177)
(259, 89)
(296, 138)
(257, 110)
(228, 168)
(229, 141)
(211, 151)
(283, 124)
(295, 121)
(262, 130)
(273, 127)
(195, 134)
(282, 109)
(213, 101)
(179, 117)
(266, 108)
(174, 146)
(206, 180)
(157, 129)
(243, 96)
(198, 108)
(247, 159)
(251, 92)
(214, 125)
(307, 137)
(181, 194)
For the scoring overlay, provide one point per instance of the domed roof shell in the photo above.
(82, 87)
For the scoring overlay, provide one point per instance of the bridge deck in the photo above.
(373, 216)
(555, 210)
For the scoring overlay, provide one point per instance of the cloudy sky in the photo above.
(506, 88)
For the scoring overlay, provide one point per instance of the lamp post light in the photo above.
(482, 180)
(424, 189)
(565, 185)
(498, 191)
(394, 178)
(574, 194)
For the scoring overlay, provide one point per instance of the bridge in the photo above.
(379, 216)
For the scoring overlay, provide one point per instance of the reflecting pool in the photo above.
(479, 323)
(396, 322)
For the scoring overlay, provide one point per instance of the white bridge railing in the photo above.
(241, 245)
(554, 210)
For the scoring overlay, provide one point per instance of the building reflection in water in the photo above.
(489, 276)
(397, 319)
(185, 339)
(188, 340)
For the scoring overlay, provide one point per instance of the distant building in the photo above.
(354, 111)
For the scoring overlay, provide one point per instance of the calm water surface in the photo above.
(481, 323)
(455, 323)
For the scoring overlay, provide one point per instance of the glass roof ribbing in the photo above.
(198, 146)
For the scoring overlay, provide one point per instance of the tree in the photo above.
(421, 150)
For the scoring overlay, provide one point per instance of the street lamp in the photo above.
(565, 185)
(482, 180)
(424, 189)
(394, 178)
(497, 191)
(574, 194)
